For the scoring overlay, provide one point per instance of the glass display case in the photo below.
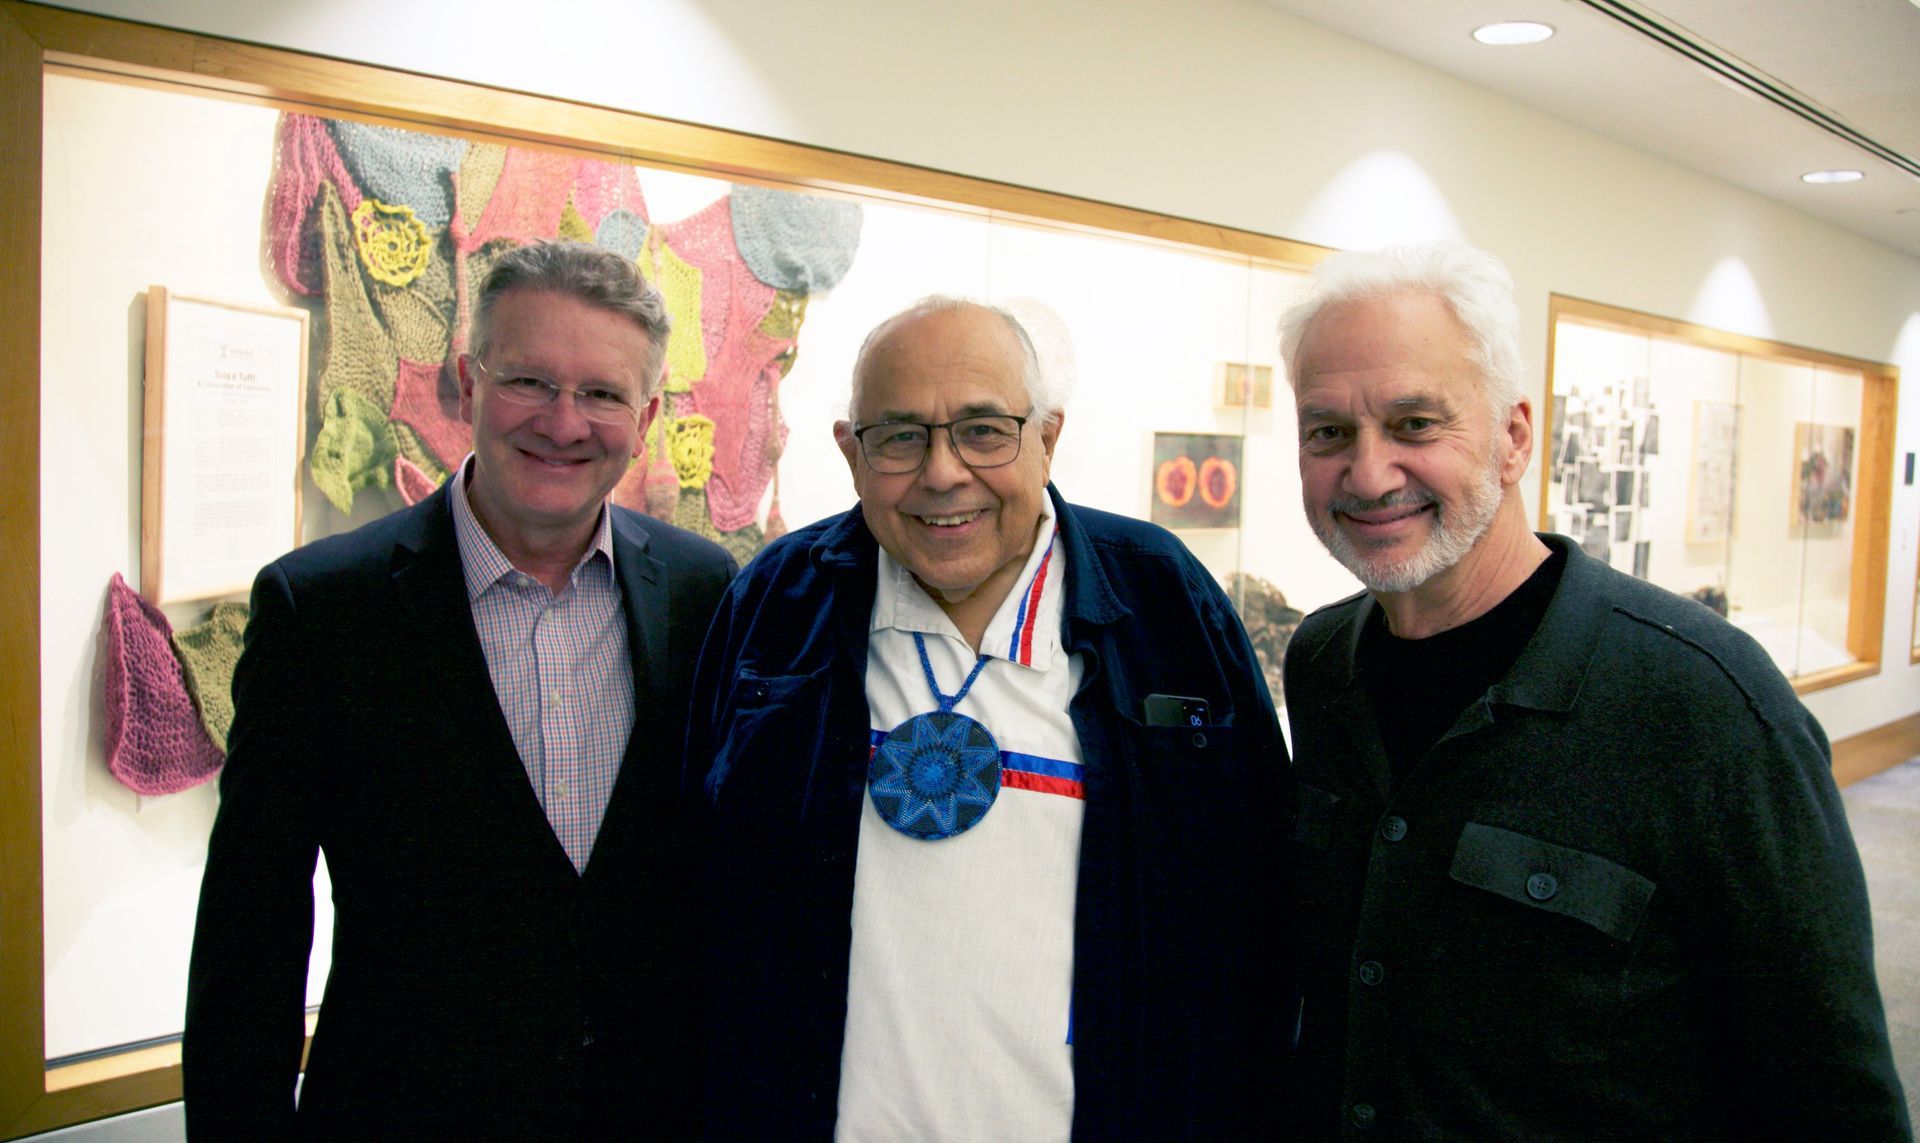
(1749, 475)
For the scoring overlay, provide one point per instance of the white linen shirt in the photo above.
(960, 979)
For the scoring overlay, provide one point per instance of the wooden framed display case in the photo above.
(75, 85)
(1752, 475)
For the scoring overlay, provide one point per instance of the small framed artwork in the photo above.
(1196, 480)
(224, 430)
(1244, 386)
(1823, 474)
(1710, 474)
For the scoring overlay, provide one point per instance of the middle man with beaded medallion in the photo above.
(993, 789)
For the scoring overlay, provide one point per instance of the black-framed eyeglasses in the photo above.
(603, 404)
(988, 440)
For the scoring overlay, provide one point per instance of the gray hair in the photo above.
(1041, 391)
(598, 277)
(1474, 284)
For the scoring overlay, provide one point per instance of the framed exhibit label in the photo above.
(226, 389)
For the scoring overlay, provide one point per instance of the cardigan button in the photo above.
(1362, 1115)
(1393, 828)
(1372, 972)
(1542, 886)
(1199, 739)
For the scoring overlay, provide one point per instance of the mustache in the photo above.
(1401, 498)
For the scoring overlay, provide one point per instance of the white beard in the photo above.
(1450, 538)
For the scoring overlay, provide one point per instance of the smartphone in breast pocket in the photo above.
(1176, 710)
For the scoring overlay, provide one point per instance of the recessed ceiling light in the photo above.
(1832, 177)
(1510, 32)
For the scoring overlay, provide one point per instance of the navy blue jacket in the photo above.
(1177, 989)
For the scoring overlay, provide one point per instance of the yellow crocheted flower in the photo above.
(690, 446)
(393, 243)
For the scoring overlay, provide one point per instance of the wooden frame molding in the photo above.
(1873, 492)
(35, 41)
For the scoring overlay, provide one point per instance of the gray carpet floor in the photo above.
(1884, 811)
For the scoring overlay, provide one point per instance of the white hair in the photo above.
(1474, 284)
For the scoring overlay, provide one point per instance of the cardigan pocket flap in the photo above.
(1556, 878)
(1313, 825)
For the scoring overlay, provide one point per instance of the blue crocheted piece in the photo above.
(935, 776)
(402, 167)
(798, 242)
(622, 232)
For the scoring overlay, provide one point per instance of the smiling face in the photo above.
(1404, 466)
(964, 533)
(541, 474)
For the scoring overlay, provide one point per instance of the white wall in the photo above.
(1221, 110)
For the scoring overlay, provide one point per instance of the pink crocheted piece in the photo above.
(308, 158)
(602, 188)
(526, 202)
(413, 484)
(740, 386)
(420, 403)
(155, 741)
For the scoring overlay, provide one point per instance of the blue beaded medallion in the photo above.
(935, 776)
(938, 773)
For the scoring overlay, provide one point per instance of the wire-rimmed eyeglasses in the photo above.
(987, 440)
(600, 403)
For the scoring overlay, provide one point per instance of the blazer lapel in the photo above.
(648, 778)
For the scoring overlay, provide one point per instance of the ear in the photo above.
(463, 365)
(1049, 436)
(1519, 442)
(646, 421)
(849, 445)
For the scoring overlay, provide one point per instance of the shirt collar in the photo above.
(481, 560)
(1025, 630)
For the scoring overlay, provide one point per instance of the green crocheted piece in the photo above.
(573, 225)
(360, 356)
(419, 317)
(407, 441)
(744, 544)
(679, 284)
(355, 448)
(480, 172)
(208, 652)
(690, 512)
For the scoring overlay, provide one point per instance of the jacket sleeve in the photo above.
(1804, 1051)
(246, 985)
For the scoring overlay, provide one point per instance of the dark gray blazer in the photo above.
(472, 966)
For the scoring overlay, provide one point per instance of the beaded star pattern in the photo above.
(935, 775)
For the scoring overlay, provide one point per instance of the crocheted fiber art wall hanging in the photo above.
(390, 232)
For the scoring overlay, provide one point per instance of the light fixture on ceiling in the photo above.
(1509, 33)
(1832, 177)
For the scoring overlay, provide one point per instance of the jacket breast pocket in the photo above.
(1556, 878)
(1532, 956)
(770, 743)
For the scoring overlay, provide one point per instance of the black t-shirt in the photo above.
(1420, 686)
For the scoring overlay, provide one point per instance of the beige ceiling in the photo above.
(1755, 92)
